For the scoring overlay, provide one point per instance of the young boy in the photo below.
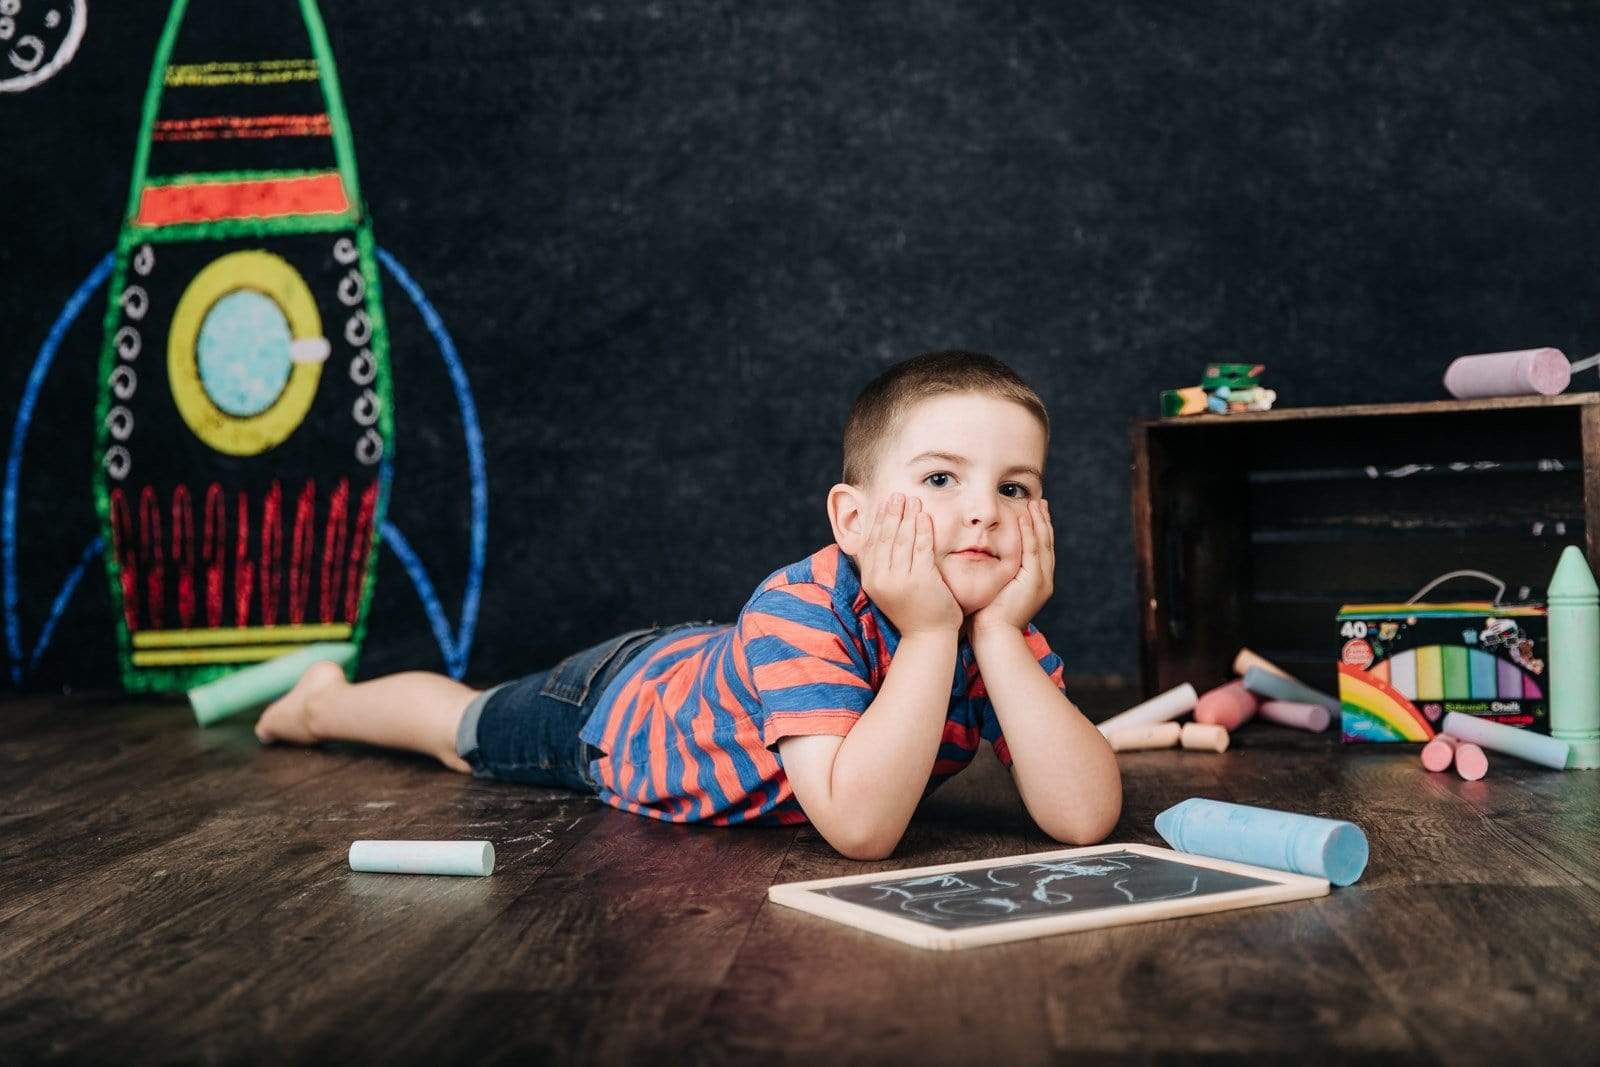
(873, 666)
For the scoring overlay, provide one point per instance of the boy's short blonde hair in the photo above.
(878, 413)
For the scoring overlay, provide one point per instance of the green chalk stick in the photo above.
(1575, 658)
(262, 683)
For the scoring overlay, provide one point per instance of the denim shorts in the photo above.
(526, 730)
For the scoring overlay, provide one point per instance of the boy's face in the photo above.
(975, 493)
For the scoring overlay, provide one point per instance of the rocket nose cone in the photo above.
(1572, 576)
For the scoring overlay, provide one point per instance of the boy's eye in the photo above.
(1008, 485)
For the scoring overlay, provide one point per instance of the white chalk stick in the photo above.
(423, 857)
(1512, 740)
(1163, 708)
(1134, 738)
(1204, 737)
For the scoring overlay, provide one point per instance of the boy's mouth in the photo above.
(974, 553)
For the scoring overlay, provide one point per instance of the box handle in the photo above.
(1500, 587)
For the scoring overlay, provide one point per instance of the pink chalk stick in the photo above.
(1471, 763)
(1438, 753)
(1312, 717)
(1228, 706)
(1526, 371)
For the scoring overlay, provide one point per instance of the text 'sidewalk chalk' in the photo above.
(1305, 844)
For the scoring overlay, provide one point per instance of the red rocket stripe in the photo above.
(183, 552)
(360, 547)
(151, 555)
(229, 127)
(300, 551)
(127, 565)
(164, 205)
(244, 569)
(216, 522)
(271, 553)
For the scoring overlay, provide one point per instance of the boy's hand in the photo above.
(1033, 579)
(898, 572)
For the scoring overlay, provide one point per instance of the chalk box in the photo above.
(1402, 667)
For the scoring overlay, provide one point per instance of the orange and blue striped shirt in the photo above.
(689, 727)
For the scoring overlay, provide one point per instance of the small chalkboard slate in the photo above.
(982, 902)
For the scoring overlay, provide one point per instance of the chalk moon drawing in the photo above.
(38, 38)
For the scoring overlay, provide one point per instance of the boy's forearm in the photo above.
(1064, 769)
(883, 764)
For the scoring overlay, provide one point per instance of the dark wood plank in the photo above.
(187, 895)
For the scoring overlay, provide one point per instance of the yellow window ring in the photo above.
(272, 277)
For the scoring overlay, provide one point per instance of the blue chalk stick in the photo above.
(1263, 683)
(1305, 844)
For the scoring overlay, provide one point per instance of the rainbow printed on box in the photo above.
(1403, 667)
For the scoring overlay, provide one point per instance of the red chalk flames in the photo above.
(144, 557)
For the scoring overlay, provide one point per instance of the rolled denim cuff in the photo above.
(467, 728)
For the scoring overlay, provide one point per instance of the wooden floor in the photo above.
(168, 893)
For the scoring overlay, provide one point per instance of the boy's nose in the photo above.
(980, 512)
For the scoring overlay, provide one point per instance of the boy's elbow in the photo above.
(1087, 827)
(861, 842)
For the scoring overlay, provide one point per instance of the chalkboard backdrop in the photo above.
(671, 241)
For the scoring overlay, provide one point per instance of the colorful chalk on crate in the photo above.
(1574, 607)
(462, 858)
(1527, 371)
(261, 683)
(1310, 717)
(1138, 738)
(1287, 841)
(1178, 700)
(1224, 388)
(1510, 740)
(1204, 737)
(1403, 666)
(1229, 705)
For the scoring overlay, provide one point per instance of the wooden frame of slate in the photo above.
(1013, 898)
(1252, 529)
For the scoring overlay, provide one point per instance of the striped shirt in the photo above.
(689, 726)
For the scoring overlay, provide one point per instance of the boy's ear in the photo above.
(847, 513)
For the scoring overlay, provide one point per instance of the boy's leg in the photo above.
(414, 710)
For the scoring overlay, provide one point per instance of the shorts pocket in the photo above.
(571, 679)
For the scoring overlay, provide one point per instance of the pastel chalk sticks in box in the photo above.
(1403, 667)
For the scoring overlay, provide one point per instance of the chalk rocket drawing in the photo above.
(245, 408)
(245, 434)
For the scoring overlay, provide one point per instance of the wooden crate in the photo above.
(1252, 529)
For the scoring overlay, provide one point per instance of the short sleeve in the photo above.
(806, 669)
(1052, 666)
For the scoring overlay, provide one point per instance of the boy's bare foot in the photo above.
(288, 718)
